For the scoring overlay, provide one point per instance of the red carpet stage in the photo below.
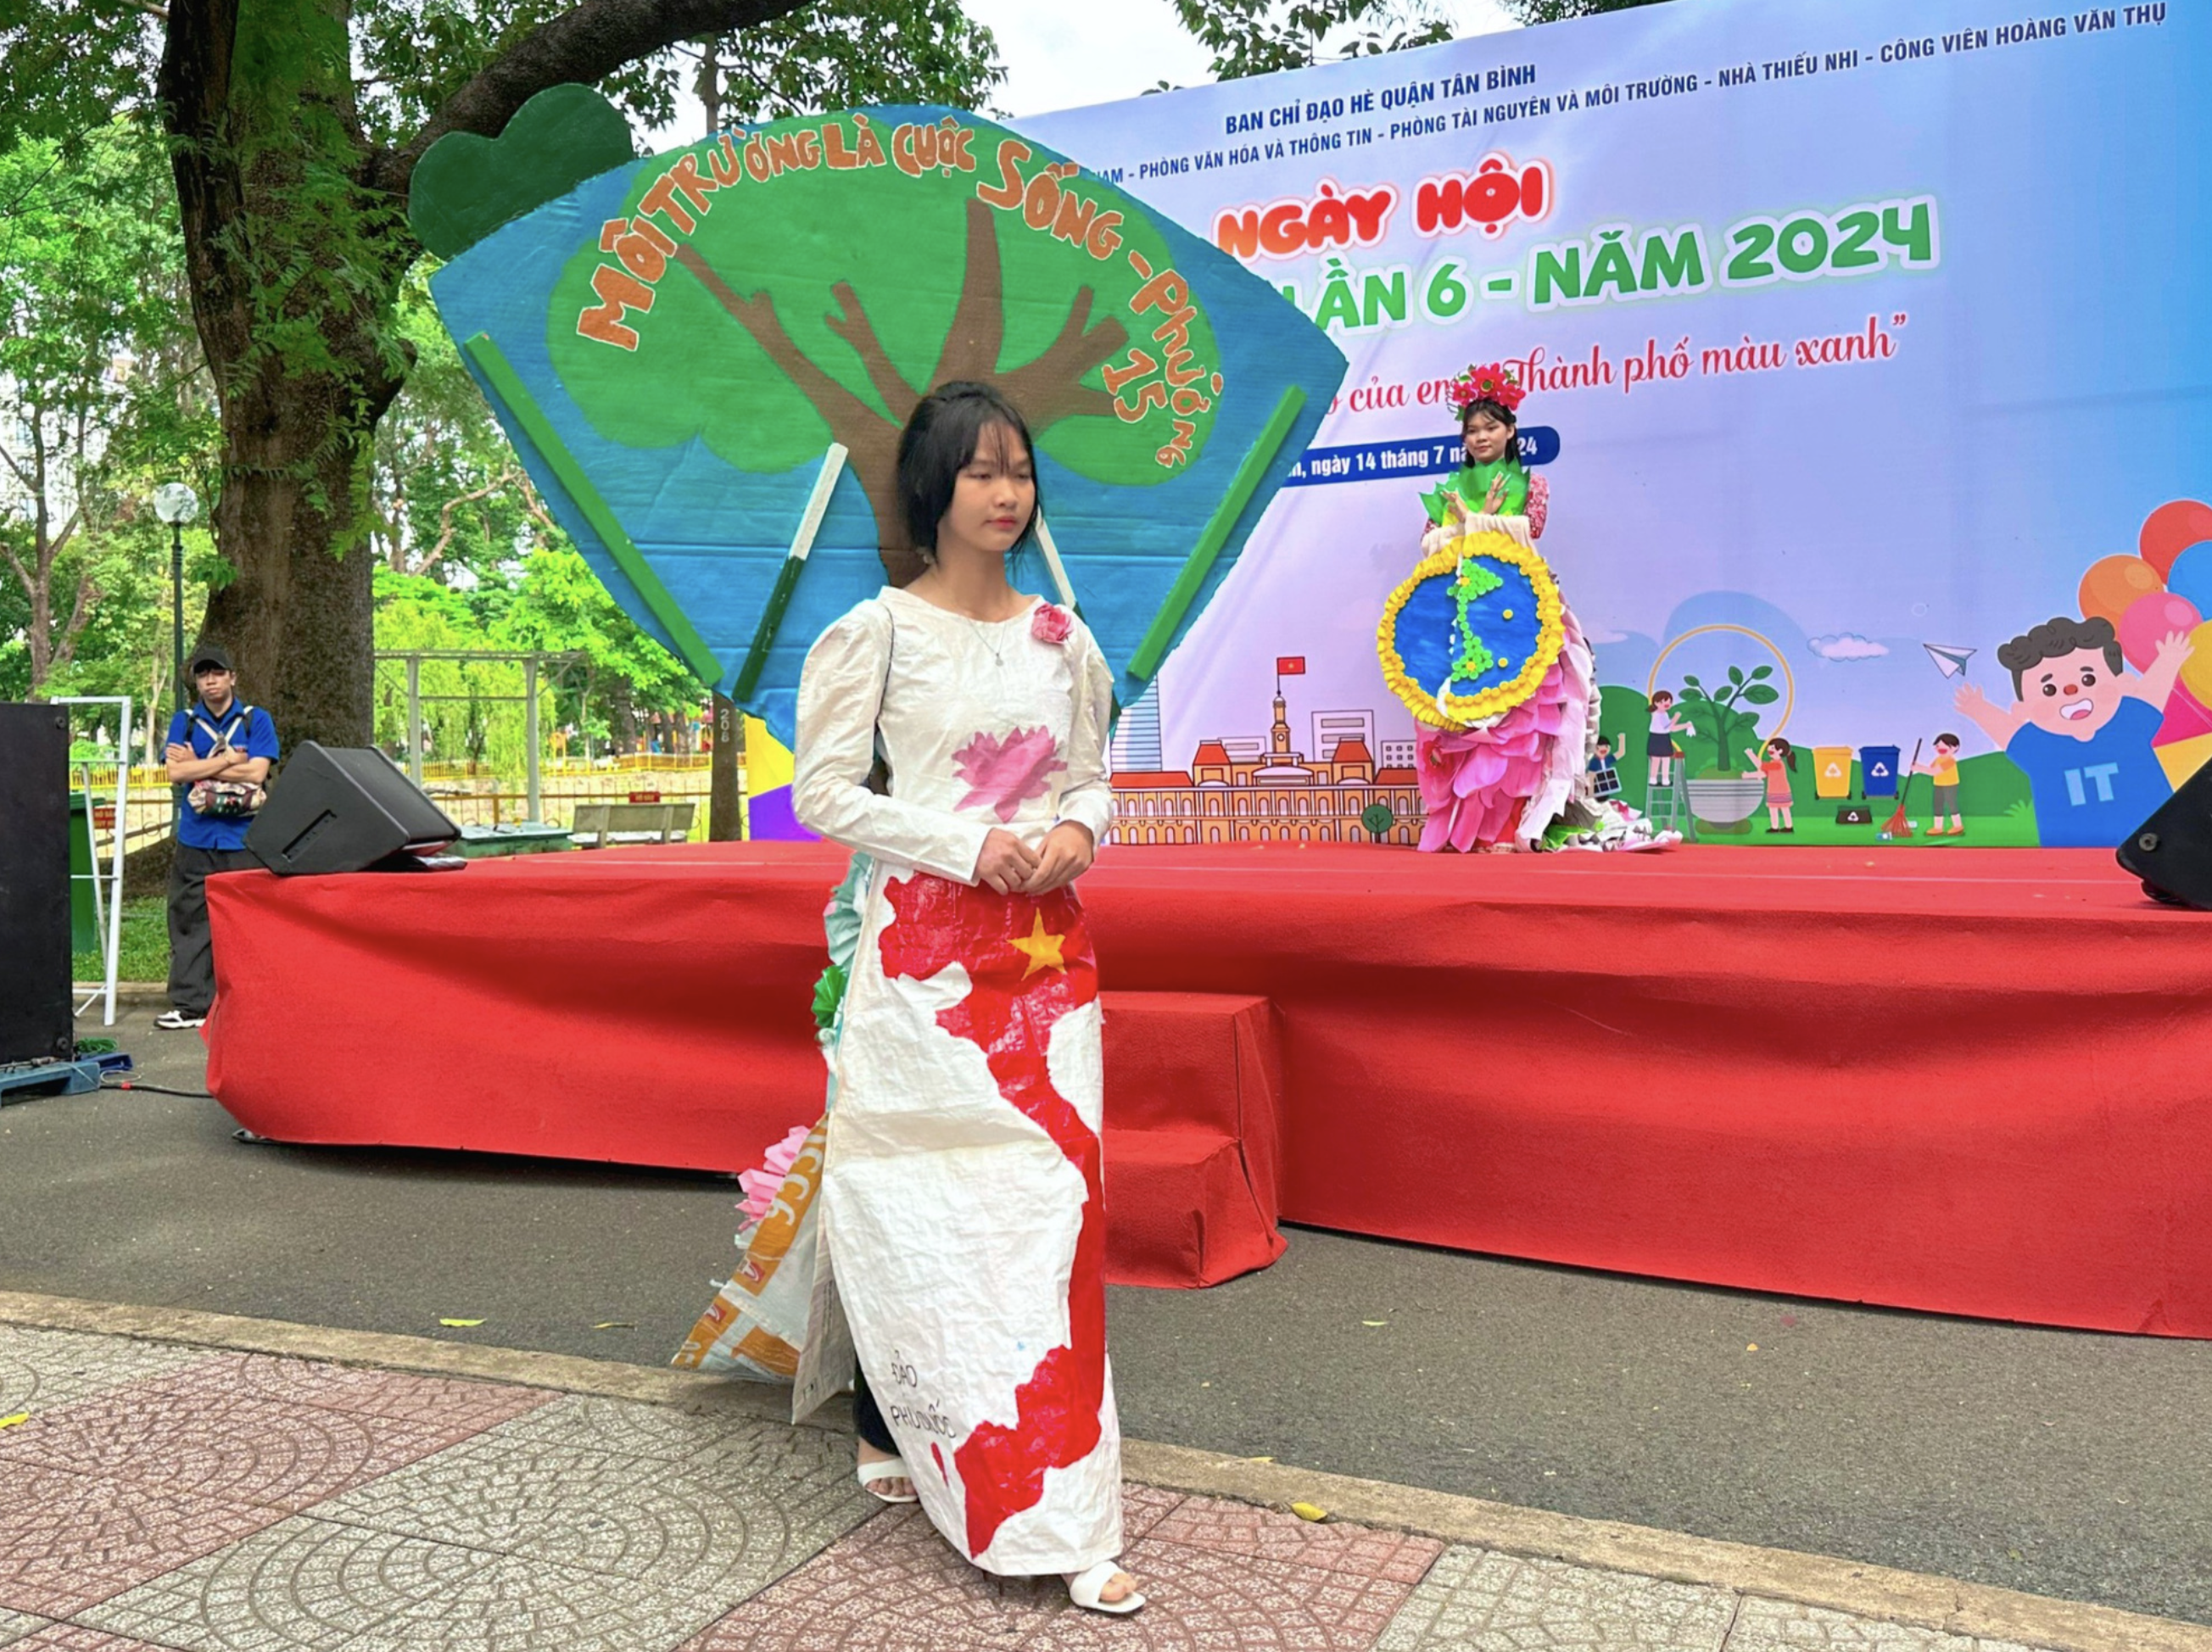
(1973, 1081)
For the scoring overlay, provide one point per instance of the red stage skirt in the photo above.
(1976, 1081)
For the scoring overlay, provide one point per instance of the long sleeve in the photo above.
(1088, 797)
(840, 694)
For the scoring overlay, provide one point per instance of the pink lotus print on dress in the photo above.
(1004, 772)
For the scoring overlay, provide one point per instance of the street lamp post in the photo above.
(176, 504)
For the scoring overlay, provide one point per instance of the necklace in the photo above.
(984, 635)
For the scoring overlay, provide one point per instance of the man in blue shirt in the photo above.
(2083, 728)
(217, 748)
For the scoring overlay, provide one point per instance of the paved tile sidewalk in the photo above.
(166, 1496)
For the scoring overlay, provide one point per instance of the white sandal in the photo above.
(1085, 1589)
(889, 1468)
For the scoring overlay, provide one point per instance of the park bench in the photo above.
(597, 824)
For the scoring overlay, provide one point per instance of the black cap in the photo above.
(210, 654)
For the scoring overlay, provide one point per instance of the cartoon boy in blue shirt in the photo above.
(2083, 728)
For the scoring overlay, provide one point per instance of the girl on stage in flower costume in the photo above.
(961, 1212)
(1483, 650)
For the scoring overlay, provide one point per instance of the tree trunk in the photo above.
(294, 274)
(298, 619)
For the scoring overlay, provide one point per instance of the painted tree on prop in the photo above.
(294, 128)
(748, 314)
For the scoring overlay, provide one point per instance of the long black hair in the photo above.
(939, 442)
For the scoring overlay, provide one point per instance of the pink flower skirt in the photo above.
(1510, 780)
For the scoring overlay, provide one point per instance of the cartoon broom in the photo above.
(1897, 825)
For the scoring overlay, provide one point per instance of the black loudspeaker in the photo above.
(2171, 851)
(36, 1024)
(344, 810)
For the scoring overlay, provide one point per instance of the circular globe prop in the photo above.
(2171, 528)
(1472, 632)
(2114, 584)
(2149, 621)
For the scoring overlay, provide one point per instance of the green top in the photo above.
(1473, 482)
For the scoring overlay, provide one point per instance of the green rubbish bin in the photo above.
(84, 929)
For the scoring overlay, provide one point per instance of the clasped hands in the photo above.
(1010, 866)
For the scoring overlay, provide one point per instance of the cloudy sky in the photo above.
(1061, 54)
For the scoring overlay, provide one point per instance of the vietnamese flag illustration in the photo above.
(1290, 665)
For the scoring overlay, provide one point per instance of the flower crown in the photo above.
(1495, 383)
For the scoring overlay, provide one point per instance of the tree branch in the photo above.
(22, 573)
(586, 43)
(88, 593)
(535, 507)
(446, 518)
(850, 323)
(1050, 388)
(844, 411)
(52, 547)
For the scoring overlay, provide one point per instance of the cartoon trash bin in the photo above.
(1832, 771)
(1878, 769)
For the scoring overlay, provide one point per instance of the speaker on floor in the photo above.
(36, 1024)
(346, 809)
(2171, 851)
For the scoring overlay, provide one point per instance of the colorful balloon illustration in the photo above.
(2191, 577)
(2150, 620)
(2197, 674)
(2114, 584)
(2171, 528)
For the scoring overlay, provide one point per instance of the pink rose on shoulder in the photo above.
(1050, 624)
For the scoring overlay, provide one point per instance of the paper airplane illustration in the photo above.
(1952, 662)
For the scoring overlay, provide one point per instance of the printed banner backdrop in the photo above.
(1860, 340)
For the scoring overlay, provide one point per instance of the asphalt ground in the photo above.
(2062, 1463)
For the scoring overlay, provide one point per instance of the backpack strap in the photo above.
(241, 715)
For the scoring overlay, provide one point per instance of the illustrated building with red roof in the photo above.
(1271, 796)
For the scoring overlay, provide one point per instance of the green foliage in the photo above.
(70, 66)
(1554, 11)
(842, 53)
(1721, 730)
(832, 54)
(102, 396)
(1265, 37)
(1378, 819)
(446, 495)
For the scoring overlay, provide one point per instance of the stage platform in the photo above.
(1973, 1081)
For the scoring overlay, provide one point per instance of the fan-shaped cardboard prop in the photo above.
(704, 359)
